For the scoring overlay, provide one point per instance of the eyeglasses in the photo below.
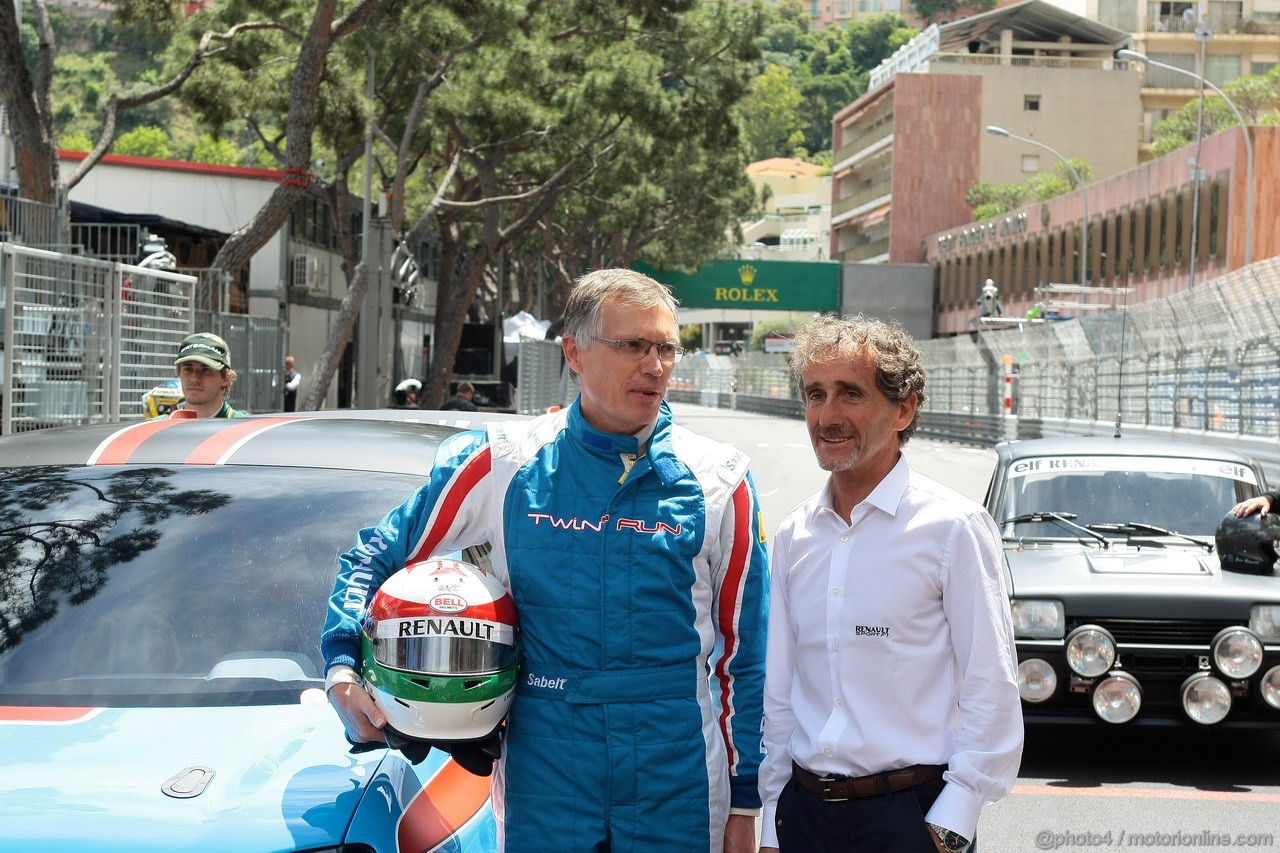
(638, 348)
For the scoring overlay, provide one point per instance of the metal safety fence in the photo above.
(1205, 361)
(83, 339)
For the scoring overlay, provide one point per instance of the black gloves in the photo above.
(474, 756)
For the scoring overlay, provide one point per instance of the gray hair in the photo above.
(584, 312)
(899, 371)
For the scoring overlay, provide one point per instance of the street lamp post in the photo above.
(1134, 56)
(1084, 196)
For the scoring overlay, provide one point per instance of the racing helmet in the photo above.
(440, 650)
(162, 399)
(1248, 544)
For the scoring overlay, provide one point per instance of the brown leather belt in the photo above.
(836, 789)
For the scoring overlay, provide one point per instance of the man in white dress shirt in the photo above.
(891, 701)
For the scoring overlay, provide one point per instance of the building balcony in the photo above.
(864, 194)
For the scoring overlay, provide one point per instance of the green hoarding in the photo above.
(761, 285)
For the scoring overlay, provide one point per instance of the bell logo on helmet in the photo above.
(447, 603)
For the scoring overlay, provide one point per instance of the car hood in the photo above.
(92, 778)
(1174, 581)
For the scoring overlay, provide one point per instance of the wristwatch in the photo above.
(953, 842)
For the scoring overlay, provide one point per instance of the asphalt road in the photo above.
(1080, 789)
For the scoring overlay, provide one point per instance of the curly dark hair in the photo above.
(899, 372)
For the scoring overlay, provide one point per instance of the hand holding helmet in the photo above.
(440, 657)
(1248, 543)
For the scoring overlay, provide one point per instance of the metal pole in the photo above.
(1195, 173)
(1134, 56)
(1084, 196)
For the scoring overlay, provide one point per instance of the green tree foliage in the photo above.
(29, 63)
(76, 142)
(531, 140)
(1255, 96)
(771, 114)
(988, 200)
(831, 67)
(1059, 180)
(143, 142)
(218, 151)
(873, 39)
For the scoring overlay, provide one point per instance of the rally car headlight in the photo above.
(1206, 699)
(1237, 652)
(1271, 687)
(1117, 698)
(1264, 620)
(1036, 680)
(1036, 619)
(1091, 651)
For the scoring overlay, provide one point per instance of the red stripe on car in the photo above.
(119, 446)
(30, 714)
(215, 449)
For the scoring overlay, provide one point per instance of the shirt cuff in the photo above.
(957, 809)
(747, 812)
(340, 674)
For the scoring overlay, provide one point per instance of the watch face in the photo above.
(952, 841)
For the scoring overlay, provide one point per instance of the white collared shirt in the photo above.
(890, 644)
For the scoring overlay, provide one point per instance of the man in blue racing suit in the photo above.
(634, 553)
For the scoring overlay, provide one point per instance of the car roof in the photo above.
(389, 440)
(1098, 445)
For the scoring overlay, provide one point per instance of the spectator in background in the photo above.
(292, 379)
(462, 399)
(204, 369)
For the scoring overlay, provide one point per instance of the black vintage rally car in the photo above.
(1122, 610)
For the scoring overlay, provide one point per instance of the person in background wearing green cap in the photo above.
(204, 368)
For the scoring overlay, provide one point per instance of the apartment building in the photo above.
(1220, 40)
(907, 152)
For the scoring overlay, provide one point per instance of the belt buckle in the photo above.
(826, 790)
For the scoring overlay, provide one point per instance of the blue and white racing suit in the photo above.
(641, 590)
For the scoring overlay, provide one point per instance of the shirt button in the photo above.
(844, 538)
(839, 701)
(835, 591)
(834, 646)
(826, 750)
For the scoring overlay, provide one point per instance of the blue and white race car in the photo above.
(162, 589)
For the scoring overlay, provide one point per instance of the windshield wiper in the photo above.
(1143, 527)
(1065, 519)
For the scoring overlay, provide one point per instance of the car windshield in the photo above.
(173, 586)
(1183, 495)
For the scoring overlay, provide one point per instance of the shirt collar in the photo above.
(653, 442)
(886, 496)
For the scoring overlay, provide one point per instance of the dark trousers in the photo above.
(893, 823)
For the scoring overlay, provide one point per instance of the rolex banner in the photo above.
(762, 285)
